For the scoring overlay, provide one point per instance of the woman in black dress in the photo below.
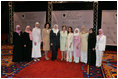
(27, 42)
(91, 48)
(18, 45)
(55, 41)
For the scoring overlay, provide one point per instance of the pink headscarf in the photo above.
(18, 30)
(100, 35)
(29, 31)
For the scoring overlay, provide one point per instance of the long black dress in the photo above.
(55, 40)
(28, 49)
(18, 47)
(91, 53)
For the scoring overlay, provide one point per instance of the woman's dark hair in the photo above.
(64, 26)
(71, 29)
(93, 30)
(46, 24)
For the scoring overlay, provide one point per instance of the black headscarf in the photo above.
(91, 39)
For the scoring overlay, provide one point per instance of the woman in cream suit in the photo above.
(63, 36)
(69, 44)
(84, 44)
(100, 47)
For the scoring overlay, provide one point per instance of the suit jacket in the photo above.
(55, 39)
(101, 44)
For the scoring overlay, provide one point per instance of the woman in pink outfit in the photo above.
(76, 45)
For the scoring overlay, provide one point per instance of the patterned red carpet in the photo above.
(42, 68)
(55, 69)
(109, 66)
(51, 69)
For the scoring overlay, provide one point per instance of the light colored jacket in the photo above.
(36, 35)
(101, 43)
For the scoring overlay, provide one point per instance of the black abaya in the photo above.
(91, 53)
(55, 40)
(18, 47)
(28, 49)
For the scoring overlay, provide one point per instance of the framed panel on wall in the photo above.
(29, 18)
(109, 26)
(73, 18)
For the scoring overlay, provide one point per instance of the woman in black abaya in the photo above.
(55, 41)
(91, 48)
(27, 42)
(18, 45)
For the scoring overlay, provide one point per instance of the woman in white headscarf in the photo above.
(36, 39)
(76, 45)
(18, 45)
(54, 41)
(100, 47)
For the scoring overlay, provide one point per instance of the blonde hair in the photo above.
(83, 29)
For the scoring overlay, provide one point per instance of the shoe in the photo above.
(70, 61)
(76, 62)
(98, 66)
(46, 58)
(65, 59)
(38, 59)
(61, 59)
(35, 60)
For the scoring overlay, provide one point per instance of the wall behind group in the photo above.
(29, 18)
(109, 26)
(73, 18)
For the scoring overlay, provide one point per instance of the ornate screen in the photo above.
(73, 18)
(109, 25)
(29, 18)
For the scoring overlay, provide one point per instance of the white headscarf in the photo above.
(36, 23)
(76, 34)
(55, 30)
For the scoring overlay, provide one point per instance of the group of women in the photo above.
(80, 46)
(22, 43)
